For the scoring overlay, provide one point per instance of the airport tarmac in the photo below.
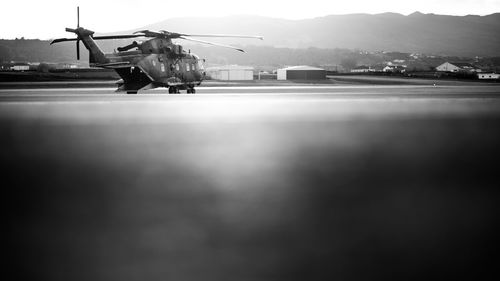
(289, 182)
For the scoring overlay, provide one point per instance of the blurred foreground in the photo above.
(348, 185)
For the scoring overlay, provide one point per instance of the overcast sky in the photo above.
(48, 18)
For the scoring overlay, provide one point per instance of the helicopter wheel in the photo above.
(191, 90)
(173, 90)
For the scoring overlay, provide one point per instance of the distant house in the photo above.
(488, 76)
(67, 66)
(457, 67)
(20, 67)
(362, 69)
(394, 69)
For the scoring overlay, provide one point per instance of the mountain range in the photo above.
(416, 33)
(323, 40)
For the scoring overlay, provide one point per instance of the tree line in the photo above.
(263, 57)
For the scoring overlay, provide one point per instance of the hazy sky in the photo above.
(48, 18)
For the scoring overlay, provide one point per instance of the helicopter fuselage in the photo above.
(156, 63)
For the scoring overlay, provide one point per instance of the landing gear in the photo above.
(176, 90)
(173, 90)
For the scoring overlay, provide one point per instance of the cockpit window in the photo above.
(200, 64)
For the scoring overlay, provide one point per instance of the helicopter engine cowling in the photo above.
(178, 49)
(128, 47)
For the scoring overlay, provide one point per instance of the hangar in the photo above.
(302, 72)
(230, 72)
(457, 67)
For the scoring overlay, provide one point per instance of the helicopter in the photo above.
(156, 62)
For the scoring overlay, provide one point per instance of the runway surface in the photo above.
(252, 183)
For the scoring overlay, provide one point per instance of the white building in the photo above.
(230, 72)
(20, 67)
(395, 68)
(488, 76)
(362, 69)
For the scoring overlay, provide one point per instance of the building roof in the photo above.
(302, 67)
(462, 64)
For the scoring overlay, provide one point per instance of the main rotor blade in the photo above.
(97, 38)
(175, 35)
(125, 36)
(161, 34)
(224, 35)
(78, 16)
(213, 44)
(147, 33)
